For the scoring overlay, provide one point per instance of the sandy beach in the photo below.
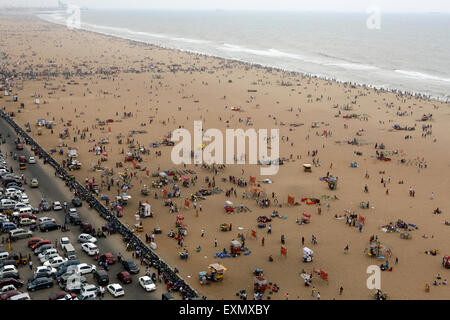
(115, 94)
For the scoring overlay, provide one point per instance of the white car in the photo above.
(11, 192)
(147, 283)
(31, 160)
(88, 291)
(46, 257)
(64, 241)
(57, 206)
(115, 289)
(84, 237)
(55, 262)
(7, 288)
(8, 268)
(20, 205)
(84, 268)
(47, 252)
(24, 199)
(73, 211)
(44, 219)
(90, 248)
(48, 269)
(26, 221)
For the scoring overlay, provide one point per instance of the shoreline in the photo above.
(378, 89)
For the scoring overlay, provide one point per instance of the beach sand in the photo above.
(81, 77)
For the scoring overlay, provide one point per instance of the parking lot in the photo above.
(53, 189)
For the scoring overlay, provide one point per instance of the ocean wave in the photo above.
(422, 76)
(353, 66)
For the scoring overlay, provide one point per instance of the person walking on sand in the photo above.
(346, 249)
(215, 243)
(203, 233)
(262, 241)
(341, 289)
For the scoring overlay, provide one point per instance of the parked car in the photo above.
(39, 275)
(45, 269)
(84, 268)
(89, 289)
(20, 296)
(57, 206)
(40, 283)
(11, 281)
(115, 290)
(26, 221)
(64, 241)
(130, 266)
(19, 146)
(90, 248)
(84, 237)
(31, 160)
(77, 202)
(33, 241)
(108, 257)
(49, 226)
(124, 277)
(44, 219)
(8, 269)
(147, 283)
(62, 295)
(86, 227)
(8, 294)
(44, 205)
(55, 262)
(20, 234)
(43, 245)
(101, 276)
(75, 219)
(7, 288)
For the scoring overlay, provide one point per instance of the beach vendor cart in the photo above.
(307, 167)
(235, 247)
(229, 207)
(145, 210)
(378, 250)
(145, 190)
(216, 272)
(305, 219)
(308, 255)
(332, 183)
(259, 284)
(225, 227)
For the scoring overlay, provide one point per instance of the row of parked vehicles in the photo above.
(59, 266)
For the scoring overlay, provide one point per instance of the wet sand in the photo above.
(81, 77)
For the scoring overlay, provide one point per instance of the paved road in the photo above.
(54, 189)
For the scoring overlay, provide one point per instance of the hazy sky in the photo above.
(308, 5)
